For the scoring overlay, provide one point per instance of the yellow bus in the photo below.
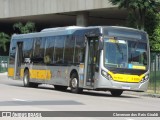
(107, 58)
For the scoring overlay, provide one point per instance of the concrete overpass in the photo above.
(52, 13)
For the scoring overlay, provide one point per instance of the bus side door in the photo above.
(18, 60)
(91, 60)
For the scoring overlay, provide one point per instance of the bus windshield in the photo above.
(125, 54)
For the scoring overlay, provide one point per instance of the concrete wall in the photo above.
(15, 8)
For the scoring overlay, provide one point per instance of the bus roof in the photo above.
(122, 27)
(53, 32)
(61, 28)
(63, 31)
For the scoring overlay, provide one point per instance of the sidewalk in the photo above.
(152, 95)
(5, 73)
(145, 94)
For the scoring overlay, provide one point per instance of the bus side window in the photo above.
(28, 48)
(38, 56)
(69, 49)
(59, 49)
(50, 41)
(79, 50)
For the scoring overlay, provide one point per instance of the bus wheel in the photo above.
(61, 88)
(26, 79)
(116, 93)
(75, 84)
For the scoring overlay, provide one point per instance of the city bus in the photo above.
(102, 58)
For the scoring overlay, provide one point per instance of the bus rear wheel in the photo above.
(61, 88)
(74, 84)
(116, 93)
(26, 80)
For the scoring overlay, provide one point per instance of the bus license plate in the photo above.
(126, 87)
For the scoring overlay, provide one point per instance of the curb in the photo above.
(144, 94)
(152, 95)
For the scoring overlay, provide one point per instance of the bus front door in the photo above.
(91, 60)
(18, 60)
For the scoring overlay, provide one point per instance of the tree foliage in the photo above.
(144, 15)
(4, 39)
(138, 8)
(155, 37)
(24, 28)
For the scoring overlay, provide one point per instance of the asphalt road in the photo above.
(15, 97)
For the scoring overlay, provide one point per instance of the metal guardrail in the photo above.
(3, 63)
(154, 84)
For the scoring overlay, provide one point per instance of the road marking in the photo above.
(15, 99)
(117, 100)
(1, 84)
(129, 119)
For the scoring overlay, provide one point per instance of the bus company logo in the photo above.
(6, 114)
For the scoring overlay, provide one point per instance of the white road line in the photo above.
(15, 99)
(117, 100)
(129, 118)
(1, 84)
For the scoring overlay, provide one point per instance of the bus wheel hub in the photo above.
(25, 80)
(74, 83)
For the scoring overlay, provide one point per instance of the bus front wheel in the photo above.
(75, 84)
(116, 93)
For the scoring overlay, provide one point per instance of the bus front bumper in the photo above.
(105, 84)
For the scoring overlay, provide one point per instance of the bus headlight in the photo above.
(106, 75)
(145, 78)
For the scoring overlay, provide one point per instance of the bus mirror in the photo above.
(13, 48)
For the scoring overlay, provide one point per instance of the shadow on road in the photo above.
(40, 102)
(85, 92)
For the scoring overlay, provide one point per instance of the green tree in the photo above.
(138, 8)
(131, 21)
(155, 37)
(4, 39)
(23, 29)
(151, 22)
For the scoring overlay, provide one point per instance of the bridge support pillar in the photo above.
(82, 19)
